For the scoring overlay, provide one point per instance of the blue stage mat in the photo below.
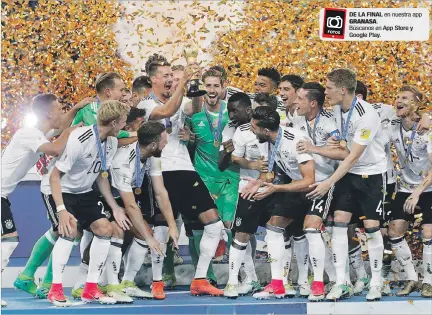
(177, 302)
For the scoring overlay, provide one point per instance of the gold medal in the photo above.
(343, 143)
(394, 195)
(138, 191)
(44, 171)
(270, 176)
(169, 130)
(216, 144)
(104, 174)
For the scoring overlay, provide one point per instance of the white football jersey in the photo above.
(230, 92)
(175, 155)
(364, 129)
(287, 157)
(19, 156)
(81, 162)
(123, 169)
(415, 166)
(246, 146)
(287, 119)
(324, 167)
(387, 113)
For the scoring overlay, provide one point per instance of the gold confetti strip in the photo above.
(58, 48)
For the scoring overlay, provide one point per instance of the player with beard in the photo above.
(22, 152)
(84, 162)
(414, 159)
(140, 184)
(320, 125)
(179, 175)
(141, 88)
(208, 126)
(227, 91)
(288, 86)
(359, 180)
(283, 203)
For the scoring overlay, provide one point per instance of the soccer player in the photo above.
(141, 88)
(45, 244)
(207, 126)
(288, 86)
(179, 175)
(130, 165)
(267, 81)
(320, 126)
(86, 160)
(287, 202)
(414, 152)
(359, 180)
(25, 148)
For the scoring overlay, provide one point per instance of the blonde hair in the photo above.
(343, 77)
(111, 110)
(418, 96)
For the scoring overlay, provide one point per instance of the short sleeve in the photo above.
(123, 134)
(148, 105)
(155, 166)
(122, 176)
(32, 138)
(366, 128)
(227, 134)
(303, 157)
(70, 155)
(239, 144)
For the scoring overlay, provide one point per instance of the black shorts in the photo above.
(108, 211)
(251, 214)
(188, 194)
(364, 193)
(7, 221)
(147, 201)
(292, 205)
(323, 206)
(425, 204)
(190, 226)
(86, 208)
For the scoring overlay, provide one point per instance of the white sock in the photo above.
(328, 263)
(316, 253)
(356, 262)
(427, 261)
(236, 257)
(60, 256)
(98, 254)
(287, 255)
(376, 253)
(249, 265)
(301, 249)
(160, 234)
(81, 277)
(135, 258)
(208, 246)
(8, 245)
(340, 252)
(403, 254)
(85, 241)
(113, 261)
(275, 242)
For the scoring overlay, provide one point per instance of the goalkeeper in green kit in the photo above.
(208, 126)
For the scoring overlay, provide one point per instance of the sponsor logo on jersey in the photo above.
(201, 124)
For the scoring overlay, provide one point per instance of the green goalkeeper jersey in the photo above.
(206, 153)
(88, 116)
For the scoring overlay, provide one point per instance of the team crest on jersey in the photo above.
(320, 133)
(9, 224)
(419, 144)
(238, 221)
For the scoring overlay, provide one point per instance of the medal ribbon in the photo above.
(216, 133)
(103, 154)
(273, 152)
(317, 118)
(409, 148)
(168, 122)
(345, 126)
(139, 172)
